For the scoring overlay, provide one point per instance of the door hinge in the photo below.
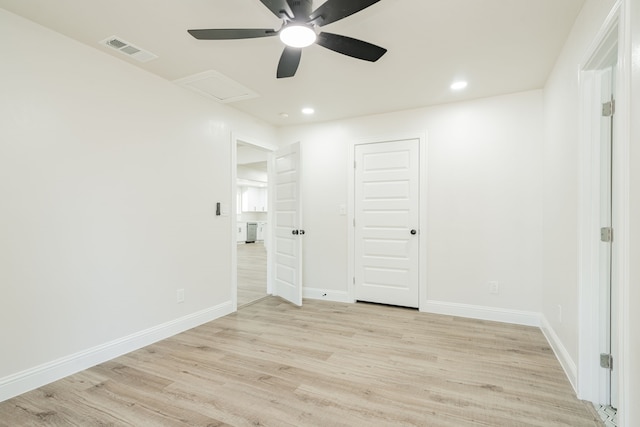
(354, 280)
(609, 108)
(354, 164)
(606, 234)
(606, 361)
(354, 222)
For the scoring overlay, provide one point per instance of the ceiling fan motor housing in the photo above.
(301, 9)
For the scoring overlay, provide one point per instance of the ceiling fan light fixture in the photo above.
(298, 36)
(300, 28)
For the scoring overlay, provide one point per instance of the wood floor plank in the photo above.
(251, 272)
(325, 364)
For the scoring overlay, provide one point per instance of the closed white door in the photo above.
(287, 271)
(386, 217)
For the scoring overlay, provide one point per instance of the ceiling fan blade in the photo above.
(289, 62)
(351, 47)
(279, 8)
(334, 10)
(232, 33)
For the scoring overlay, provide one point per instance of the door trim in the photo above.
(614, 31)
(422, 243)
(235, 139)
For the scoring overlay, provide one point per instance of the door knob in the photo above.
(413, 231)
(301, 231)
(294, 232)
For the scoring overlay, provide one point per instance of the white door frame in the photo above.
(422, 245)
(611, 42)
(235, 139)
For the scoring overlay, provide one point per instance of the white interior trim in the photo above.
(422, 250)
(326, 294)
(494, 314)
(563, 356)
(235, 139)
(615, 30)
(38, 376)
(622, 208)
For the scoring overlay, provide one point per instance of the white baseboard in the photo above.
(528, 318)
(517, 317)
(569, 366)
(22, 382)
(326, 294)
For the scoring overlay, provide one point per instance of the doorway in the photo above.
(251, 225)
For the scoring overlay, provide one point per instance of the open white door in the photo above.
(608, 331)
(287, 230)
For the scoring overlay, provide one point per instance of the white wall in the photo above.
(560, 177)
(485, 218)
(108, 182)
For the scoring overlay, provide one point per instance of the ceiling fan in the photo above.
(299, 23)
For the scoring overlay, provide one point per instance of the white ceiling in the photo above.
(499, 46)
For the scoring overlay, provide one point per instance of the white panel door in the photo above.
(608, 327)
(386, 222)
(287, 271)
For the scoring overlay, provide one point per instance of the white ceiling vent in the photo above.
(128, 49)
(216, 85)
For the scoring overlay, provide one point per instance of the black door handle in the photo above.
(413, 231)
(301, 231)
(294, 232)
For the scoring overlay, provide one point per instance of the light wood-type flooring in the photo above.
(252, 272)
(325, 364)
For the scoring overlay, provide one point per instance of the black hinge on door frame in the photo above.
(609, 108)
(606, 361)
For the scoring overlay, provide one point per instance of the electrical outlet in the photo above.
(180, 296)
(494, 288)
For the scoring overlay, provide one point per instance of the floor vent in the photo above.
(128, 49)
(217, 86)
(608, 415)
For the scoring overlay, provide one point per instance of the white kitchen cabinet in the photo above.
(241, 232)
(254, 199)
(261, 231)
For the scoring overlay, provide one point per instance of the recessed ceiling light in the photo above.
(308, 111)
(298, 36)
(284, 115)
(459, 85)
